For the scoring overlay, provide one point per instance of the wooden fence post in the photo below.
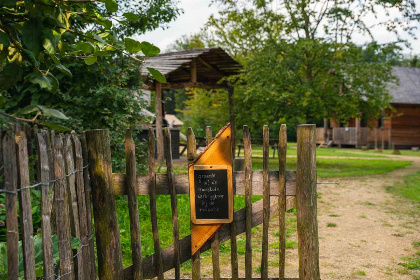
(152, 199)
(306, 199)
(133, 207)
(10, 184)
(44, 176)
(62, 211)
(28, 248)
(266, 203)
(104, 208)
(174, 203)
(248, 201)
(86, 183)
(191, 153)
(282, 199)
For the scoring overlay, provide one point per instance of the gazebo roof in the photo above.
(211, 64)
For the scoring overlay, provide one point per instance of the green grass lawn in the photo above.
(344, 152)
(409, 190)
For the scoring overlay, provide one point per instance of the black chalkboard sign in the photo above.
(212, 196)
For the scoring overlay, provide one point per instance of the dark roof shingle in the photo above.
(408, 89)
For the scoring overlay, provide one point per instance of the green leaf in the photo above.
(106, 23)
(4, 39)
(100, 53)
(31, 57)
(131, 16)
(157, 75)
(2, 101)
(28, 110)
(55, 126)
(132, 45)
(91, 60)
(48, 82)
(32, 34)
(111, 6)
(50, 41)
(52, 113)
(10, 75)
(84, 47)
(149, 49)
(63, 69)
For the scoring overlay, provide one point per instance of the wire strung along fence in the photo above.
(74, 175)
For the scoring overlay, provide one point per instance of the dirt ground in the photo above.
(373, 231)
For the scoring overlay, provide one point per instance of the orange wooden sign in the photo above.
(211, 189)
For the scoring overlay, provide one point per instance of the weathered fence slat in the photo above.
(152, 196)
(215, 239)
(191, 153)
(282, 199)
(81, 202)
(266, 202)
(44, 176)
(86, 183)
(10, 184)
(174, 204)
(248, 201)
(104, 207)
(306, 208)
(25, 206)
(133, 207)
(78, 263)
(62, 211)
(233, 244)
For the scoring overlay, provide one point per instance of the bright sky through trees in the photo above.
(196, 13)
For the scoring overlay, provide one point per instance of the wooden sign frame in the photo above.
(194, 220)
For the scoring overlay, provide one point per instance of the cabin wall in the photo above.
(405, 126)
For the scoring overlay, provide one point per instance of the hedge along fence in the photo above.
(75, 172)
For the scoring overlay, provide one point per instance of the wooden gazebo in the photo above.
(202, 68)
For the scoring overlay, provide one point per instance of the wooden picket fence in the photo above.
(74, 175)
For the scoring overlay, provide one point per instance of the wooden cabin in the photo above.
(401, 129)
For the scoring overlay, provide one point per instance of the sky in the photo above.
(196, 13)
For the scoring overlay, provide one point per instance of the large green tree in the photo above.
(43, 42)
(301, 61)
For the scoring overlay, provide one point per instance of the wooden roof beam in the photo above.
(212, 67)
(204, 85)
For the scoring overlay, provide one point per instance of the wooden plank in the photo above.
(10, 184)
(282, 199)
(217, 153)
(248, 202)
(133, 207)
(266, 202)
(25, 206)
(72, 197)
(174, 204)
(306, 198)
(215, 238)
(193, 71)
(104, 208)
(191, 154)
(224, 278)
(233, 244)
(224, 235)
(62, 211)
(182, 184)
(86, 183)
(159, 122)
(43, 175)
(81, 202)
(152, 196)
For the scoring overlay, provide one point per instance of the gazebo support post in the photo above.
(232, 116)
(159, 126)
